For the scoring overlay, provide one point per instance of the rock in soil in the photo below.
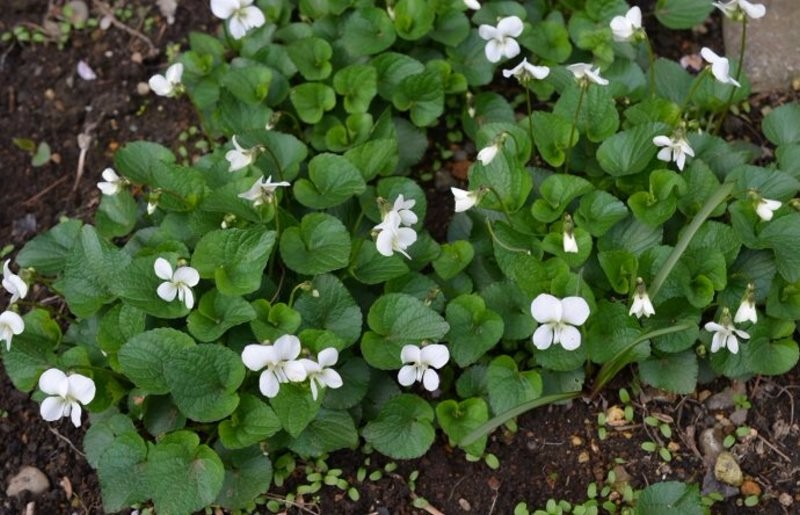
(30, 479)
(711, 443)
(727, 470)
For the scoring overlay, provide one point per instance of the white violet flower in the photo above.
(419, 365)
(725, 334)
(642, 306)
(464, 199)
(177, 284)
(570, 244)
(587, 72)
(13, 283)
(241, 15)
(240, 157)
(765, 208)
(624, 28)
(472, 4)
(67, 393)
(280, 360)
(734, 8)
(391, 237)
(675, 149)
(403, 208)
(10, 324)
(319, 373)
(525, 72)
(487, 154)
(112, 183)
(747, 309)
(500, 40)
(720, 67)
(169, 84)
(262, 191)
(558, 318)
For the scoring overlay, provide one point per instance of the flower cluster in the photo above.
(394, 233)
(11, 324)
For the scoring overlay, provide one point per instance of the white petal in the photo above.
(75, 414)
(288, 347)
(709, 55)
(53, 408)
(511, 48)
(732, 344)
(167, 291)
(186, 296)
(110, 175)
(494, 51)
(662, 141)
(717, 342)
(85, 71)
(268, 384)
(746, 312)
(510, 26)
(237, 160)
(743, 335)
(430, 380)
(410, 354)
(237, 28)
(634, 15)
(680, 160)
(13, 321)
(383, 242)
(579, 69)
(313, 384)
(754, 11)
(472, 4)
(81, 388)
(487, 154)
(186, 275)
(713, 327)
(295, 371)
(405, 237)
(575, 310)
(311, 366)
(570, 337)
(108, 188)
(407, 375)
(255, 356)
(251, 17)
(163, 269)
(487, 32)
(160, 85)
(54, 382)
(539, 72)
(665, 154)
(331, 378)
(546, 308)
(543, 337)
(436, 355)
(174, 73)
(224, 8)
(328, 357)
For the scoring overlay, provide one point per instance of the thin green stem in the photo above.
(503, 245)
(502, 205)
(693, 90)
(651, 72)
(680, 247)
(742, 47)
(277, 163)
(584, 87)
(530, 115)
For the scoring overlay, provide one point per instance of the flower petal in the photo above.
(328, 357)
(252, 17)
(268, 384)
(237, 28)
(493, 51)
(53, 408)
(54, 382)
(81, 388)
(160, 85)
(224, 8)
(167, 291)
(570, 337)
(75, 414)
(295, 371)
(511, 48)
(288, 347)
(754, 11)
(185, 294)
(13, 321)
(575, 310)
(174, 73)
(383, 242)
(487, 32)
(436, 355)
(256, 356)
(163, 269)
(543, 337)
(407, 375)
(430, 380)
(510, 26)
(732, 344)
(546, 308)
(331, 378)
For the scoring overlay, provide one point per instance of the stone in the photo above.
(772, 57)
(727, 470)
(30, 479)
(785, 499)
(738, 417)
(750, 487)
(711, 443)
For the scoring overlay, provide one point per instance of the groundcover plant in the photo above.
(282, 293)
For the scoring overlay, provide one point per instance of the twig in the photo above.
(453, 490)
(69, 442)
(45, 191)
(84, 140)
(107, 12)
(771, 446)
(292, 503)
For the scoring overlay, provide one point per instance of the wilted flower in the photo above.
(10, 324)
(525, 72)
(280, 360)
(262, 191)
(319, 373)
(588, 73)
(178, 284)
(720, 67)
(736, 8)
(169, 84)
(464, 199)
(641, 301)
(500, 40)
(419, 365)
(391, 237)
(675, 149)
(725, 333)
(112, 184)
(13, 283)
(558, 318)
(765, 208)
(747, 309)
(67, 395)
(240, 157)
(624, 28)
(241, 15)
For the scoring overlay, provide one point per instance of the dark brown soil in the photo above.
(555, 453)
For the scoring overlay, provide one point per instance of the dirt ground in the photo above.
(555, 453)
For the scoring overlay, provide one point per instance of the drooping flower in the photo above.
(675, 149)
(67, 393)
(487, 154)
(420, 365)
(737, 8)
(720, 67)
(391, 237)
(13, 283)
(558, 319)
(625, 28)
(240, 157)
(280, 360)
(241, 15)
(641, 301)
(765, 208)
(10, 324)
(464, 199)
(403, 208)
(175, 284)
(725, 333)
(473, 4)
(747, 309)
(525, 72)
(169, 84)
(262, 191)
(319, 373)
(500, 40)
(112, 184)
(584, 72)
(570, 245)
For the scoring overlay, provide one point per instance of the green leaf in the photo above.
(137, 288)
(473, 329)
(216, 313)
(118, 325)
(368, 31)
(549, 40)
(368, 266)
(403, 429)
(121, 468)
(312, 57)
(252, 422)
(311, 100)
(620, 268)
(392, 69)
(330, 431)
(506, 177)
(557, 358)
(333, 179)
(413, 18)
(675, 373)
(355, 378)
(246, 473)
(782, 235)
(656, 206)
(682, 14)
(782, 125)
(458, 419)
(32, 351)
(453, 259)
(506, 299)
(610, 330)
(629, 152)
(669, 497)
(320, 244)
(451, 28)
(553, 136)
(294, 407)
(631, 235)
(672, 81)
(423, 95)
(285, 155)
(161, 416)
(771, 357)
(598, 212)
(235, 258)
(670, 313)
(358, 84)
(508, 387)
(48, 252)
(598, 118)
(136, 161)
(116, 215)
(248, 82)
(376, 157)
(557, 191)
(272, 322)
(145, 358)
(333, 309)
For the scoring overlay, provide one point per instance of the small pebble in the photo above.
(711, 443)
(137, 58)
(727, 470)
(30, 479)
(785, 499)
(464, 504)
(142, 88)
(615, 416)
(750, 487)
(576, 441)
(583, 457)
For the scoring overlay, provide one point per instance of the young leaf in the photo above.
(321, 243)
(404, 428)
(473, 329)
(234, 258)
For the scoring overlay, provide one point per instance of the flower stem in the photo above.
(711, 204)
(503, 245)
(584, 87)
(502, 205)
(530, 115)
(651, 72)
(742, 46)
(277, 163)
(693, 90)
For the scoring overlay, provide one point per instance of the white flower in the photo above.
(472, 4)
(641, 302)
(280, 360)
(675, 149)
(733, 8)
(13, 283)
(720, 67)
(169, 84)
(320, 374)
(570, 244)
(765, 208)
(525, 72)
(10, 325)
(240, 157)
(624, 28)
(500, 40)
(586, 72)
(393, 238)
(558, 318)
(403, 208)
(747, 309)
(152, 205)
(725, 334)
(464, 199)
(112, 184)
(262, 191)
(178, 284)
(241, 15)
(487, 154)
(67, 395)
(419, 365)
